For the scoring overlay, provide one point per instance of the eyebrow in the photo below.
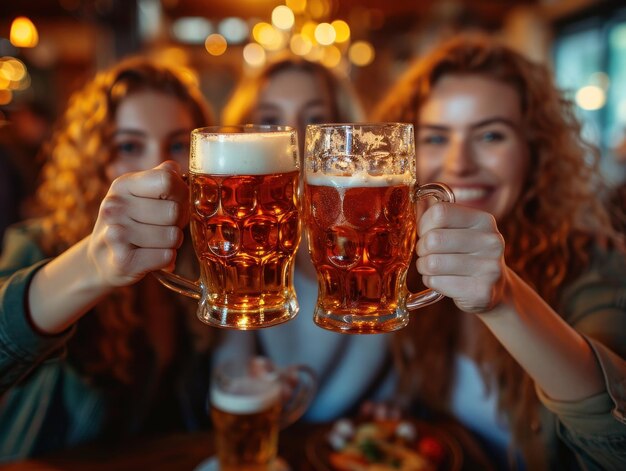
(479, 124)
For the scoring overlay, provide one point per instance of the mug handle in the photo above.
(180, 284)
(441, 192)
(303, 383)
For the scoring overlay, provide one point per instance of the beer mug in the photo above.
(245, 225)
(249, 407)
(360, 216)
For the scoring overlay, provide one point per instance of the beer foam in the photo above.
(243, 154)
(358, 180)
(246, 396)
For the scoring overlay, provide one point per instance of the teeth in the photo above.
(469, 194)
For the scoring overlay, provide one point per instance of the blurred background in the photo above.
(49, 47)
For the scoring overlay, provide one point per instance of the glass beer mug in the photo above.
(360, 215)
(245, 225)
(250, 401)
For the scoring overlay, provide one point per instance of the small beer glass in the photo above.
(251, 400)
(245, 225)
(360, 215)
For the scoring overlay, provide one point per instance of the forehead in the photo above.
(471, 98)
(295, 85)
(149, 108)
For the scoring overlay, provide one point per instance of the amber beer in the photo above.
(245, 226)
(246, 418)
(360, 214)
(361, 236)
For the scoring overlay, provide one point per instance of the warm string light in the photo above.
(23, 33)
(299, 25)
(13, 77)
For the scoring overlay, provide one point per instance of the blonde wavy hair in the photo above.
(74, 184)
(238, 110)
(549, 232)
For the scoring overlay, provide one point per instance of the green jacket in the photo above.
(595, 428)
(45, 404)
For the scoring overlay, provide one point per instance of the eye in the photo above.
(179, 147)
(434, 139)
(128, 148)
(492, 136)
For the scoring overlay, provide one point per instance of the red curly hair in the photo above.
(74, 184)
(548, 233)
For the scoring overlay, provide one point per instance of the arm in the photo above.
(138, 229)
(461, 255)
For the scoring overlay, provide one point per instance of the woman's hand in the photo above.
(138, 230)
(139, 226)
(461, 255)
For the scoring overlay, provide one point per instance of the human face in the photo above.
(294, 97)
(470, 137)
(150, 127)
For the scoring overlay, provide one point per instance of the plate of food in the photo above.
(384, 445)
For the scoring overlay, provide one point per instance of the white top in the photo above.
(476, 409)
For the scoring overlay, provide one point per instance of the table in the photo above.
(183, 452)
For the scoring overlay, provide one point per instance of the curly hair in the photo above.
(74, 184)
(548, 233)
(245, 96)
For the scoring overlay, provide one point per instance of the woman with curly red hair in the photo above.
(112, 205)
(528, 351)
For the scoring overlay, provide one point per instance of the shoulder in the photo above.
(20, 247)
(604, 281)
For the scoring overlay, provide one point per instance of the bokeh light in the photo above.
(590, 98)
(361, 53)
(331, 56)
(297, 6)
(23, 33)
(325, 34)
(235, 30)
(282, 17)
(6, 96)
(216, 44)
(254, 55)
(300, 45)
(342, 31)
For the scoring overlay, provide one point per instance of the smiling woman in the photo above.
(532, 340)
(474, 143)
(112, 204)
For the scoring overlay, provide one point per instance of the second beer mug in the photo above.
(360, 217)
(245, 227)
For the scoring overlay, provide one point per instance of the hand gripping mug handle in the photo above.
(440, 192)
(180, 284)
(302, 382)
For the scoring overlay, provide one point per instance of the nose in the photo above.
(459, 158)
(157, 154)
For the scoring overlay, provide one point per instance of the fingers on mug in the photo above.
(245, 225)
(360, 215)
